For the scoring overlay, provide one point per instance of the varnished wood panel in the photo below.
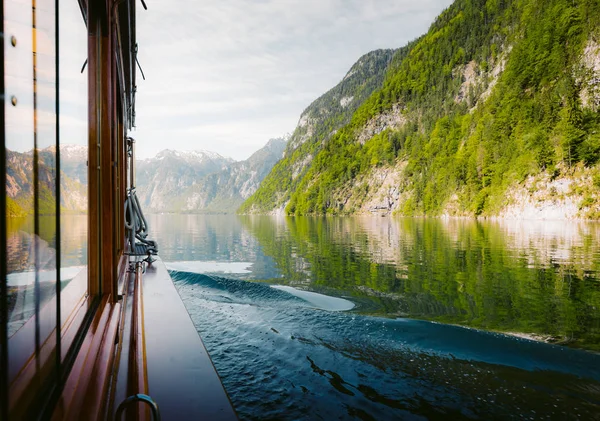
(107, 215)
(93, 159)
(85, 391)
(138, 371)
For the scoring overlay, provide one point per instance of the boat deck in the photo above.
(181, 375)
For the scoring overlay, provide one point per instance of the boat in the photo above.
(109, 339)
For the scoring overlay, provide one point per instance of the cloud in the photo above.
(229, 75)
(222, 75)
(19, 75)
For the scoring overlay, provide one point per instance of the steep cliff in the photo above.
(19, 181)
(317, 124)
(479, 116)
(202, 181)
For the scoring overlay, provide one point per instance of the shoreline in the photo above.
(387, 214)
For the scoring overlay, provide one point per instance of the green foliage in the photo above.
(596, 180)
(586, 202)
(323, 117)
(531, 121)
(460, 272)
(13, 210)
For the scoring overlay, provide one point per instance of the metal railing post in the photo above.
(140, 397)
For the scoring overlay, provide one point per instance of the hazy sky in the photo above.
(224, 75)
(19, 75)
(228, 75)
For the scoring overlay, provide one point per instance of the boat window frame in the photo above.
(39, 372)
(111, 90)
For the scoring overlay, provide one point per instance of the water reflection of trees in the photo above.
(21, 247)
(530, 277)
(208, 238)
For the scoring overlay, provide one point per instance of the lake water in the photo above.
(377, 318)
(21, 257)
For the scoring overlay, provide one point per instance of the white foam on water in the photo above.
(20, 279)
(324, 302)
(210, 267)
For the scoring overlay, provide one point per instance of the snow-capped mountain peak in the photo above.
(191, 156)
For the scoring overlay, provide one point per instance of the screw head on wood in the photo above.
(13, 41)
(13, 100)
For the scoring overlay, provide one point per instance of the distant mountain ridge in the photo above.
(172, 181)
(202, 181)
(19, 181)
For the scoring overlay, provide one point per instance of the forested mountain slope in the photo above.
(495, 111)
(19, 181)
(317, 124)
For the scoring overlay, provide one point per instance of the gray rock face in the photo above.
(173, 181)
(317, 123)
(202, 181)
(73, 179)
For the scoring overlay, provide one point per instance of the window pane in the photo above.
(19, 166)
(73, 154)
(45, 136)
(30, 81)
(30, 121)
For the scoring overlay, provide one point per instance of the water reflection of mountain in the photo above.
(22, 245)
(542, 243)
(19, 243)
(189, 237)
(509, 276)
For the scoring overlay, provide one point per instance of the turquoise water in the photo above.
(397, 351)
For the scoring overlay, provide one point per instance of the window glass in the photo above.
(44, 129)
(31, 191)
(46, 190)
(19, 165)
(73, 96)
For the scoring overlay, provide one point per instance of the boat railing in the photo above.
(139, 397)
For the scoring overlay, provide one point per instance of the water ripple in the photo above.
(280, 358)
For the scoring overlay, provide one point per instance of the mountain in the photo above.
(173, 181)
(493, 112)
(73, 162)
(19, 181)
(317, 124)
(162, 180)
(202, 181)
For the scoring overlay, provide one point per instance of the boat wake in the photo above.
(281, 356)
(244, 292)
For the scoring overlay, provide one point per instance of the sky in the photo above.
(228, 75)
(224, 76)
(19, 75)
